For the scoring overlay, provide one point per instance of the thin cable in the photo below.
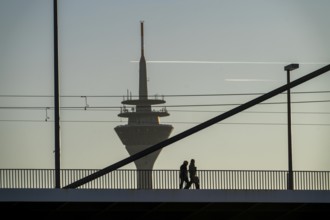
(249, 112)
(233, 123)
(167, 106)
(89, 109)
(235, 104)
(152, 96)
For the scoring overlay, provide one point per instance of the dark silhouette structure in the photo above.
(184, 175)
(57, 137)
(143, 129)
(289, 68)
(194, 179)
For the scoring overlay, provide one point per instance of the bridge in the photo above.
(231, 194)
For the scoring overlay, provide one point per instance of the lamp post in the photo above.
(289, 68)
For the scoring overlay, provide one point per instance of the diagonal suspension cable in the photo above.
(198, 128)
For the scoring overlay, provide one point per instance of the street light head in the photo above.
(291, 67)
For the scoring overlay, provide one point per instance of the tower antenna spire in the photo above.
(142, 40)
(143, 89)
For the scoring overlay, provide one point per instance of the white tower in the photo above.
(143, 129)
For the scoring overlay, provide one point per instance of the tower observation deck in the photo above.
(143, 129)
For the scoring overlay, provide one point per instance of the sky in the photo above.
(204, 56)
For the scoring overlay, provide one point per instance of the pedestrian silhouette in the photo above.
(193, 174)
(184, 175)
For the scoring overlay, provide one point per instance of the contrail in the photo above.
(226, 62)
(250, 80)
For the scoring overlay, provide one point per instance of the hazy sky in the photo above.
(194, 47)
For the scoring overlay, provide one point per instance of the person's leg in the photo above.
(197, 182)
(181, 183)
(188, 184)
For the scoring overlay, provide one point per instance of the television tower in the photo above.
(143, 129)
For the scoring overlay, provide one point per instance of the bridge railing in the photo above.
(168, 179)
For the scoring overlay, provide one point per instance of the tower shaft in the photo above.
(143, 129)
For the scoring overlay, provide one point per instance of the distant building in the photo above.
(143, 129)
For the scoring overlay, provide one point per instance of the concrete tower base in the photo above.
(144, 166)
(139, 137)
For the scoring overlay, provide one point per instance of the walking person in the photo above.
(184, 175)
(193, 174)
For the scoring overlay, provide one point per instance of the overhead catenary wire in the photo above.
(174, 108)
(162, 106)
(168, 122)
(168, 95)
(108, 108)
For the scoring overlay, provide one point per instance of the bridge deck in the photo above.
(165, 204)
